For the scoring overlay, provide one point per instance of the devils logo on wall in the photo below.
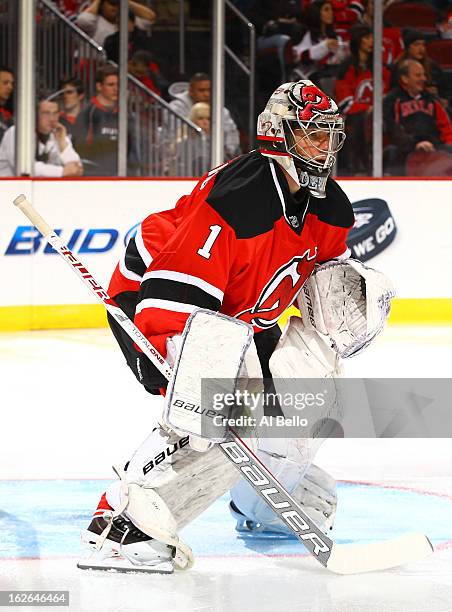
(280, 291)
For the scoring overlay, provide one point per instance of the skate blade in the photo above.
(165, 567)
(264, 535)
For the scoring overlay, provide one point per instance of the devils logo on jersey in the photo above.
(280, 291)
(310, 101)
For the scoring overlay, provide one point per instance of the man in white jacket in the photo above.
(55, 155)
(199, 91)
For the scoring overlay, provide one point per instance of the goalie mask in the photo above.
(301, 129)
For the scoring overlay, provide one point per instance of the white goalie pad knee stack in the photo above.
(212, 352)
(347, 302)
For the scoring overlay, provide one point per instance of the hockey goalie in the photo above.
(257, 234)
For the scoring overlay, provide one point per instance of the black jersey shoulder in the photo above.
(335, 209)
(244, 194)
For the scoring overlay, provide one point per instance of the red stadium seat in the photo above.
(441, 52)
(412, 14)
(436, 163)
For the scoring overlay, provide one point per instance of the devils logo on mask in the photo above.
(310, 101)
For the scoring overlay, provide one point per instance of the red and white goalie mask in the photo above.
(301, 129)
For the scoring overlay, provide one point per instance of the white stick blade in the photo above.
(351, 559)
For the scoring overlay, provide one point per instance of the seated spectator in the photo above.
(190, 147)
(320, 50)
(347, 13)
(72, 96)
(144, 68)
(445, 26)
(414, 119)
(55, 155)
(6, 90)
(138, 41)
(96, 129)
(415, 48)
(200, 115)
(199, 91)
(392, 37)
(354, 96)
(101, 18)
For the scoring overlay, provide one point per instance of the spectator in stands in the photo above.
(96, 129)
(320, 50)
(144, 68)
(347, 13)
(445, 26)
(101, 18)
(199, 91)
(415, 48)
(55, 155)
(199, 147)
(200, 115)
(138, 41)
(414, 119)
(6, 90)
(392, 37)
(354, 95)
(72, 96)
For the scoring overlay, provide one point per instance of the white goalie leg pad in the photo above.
(168, 484)
(303, 362)
(290, 460)
(212, 348)
(317, 493)
(347, 302)
(300, 354)
(147, 510)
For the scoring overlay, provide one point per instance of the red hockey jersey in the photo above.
(354, 90)
(240, 243)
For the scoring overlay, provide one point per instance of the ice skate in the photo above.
(125, 547)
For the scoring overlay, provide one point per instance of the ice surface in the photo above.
(70, 409)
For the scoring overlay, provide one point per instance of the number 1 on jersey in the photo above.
(204, 251)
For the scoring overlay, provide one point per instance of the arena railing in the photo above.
(249, 71)
(165, 143)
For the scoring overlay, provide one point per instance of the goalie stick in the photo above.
(339, 558)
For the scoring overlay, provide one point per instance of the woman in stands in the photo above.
(320, 50)
(354, 95)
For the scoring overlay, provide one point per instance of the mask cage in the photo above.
(315, 156)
